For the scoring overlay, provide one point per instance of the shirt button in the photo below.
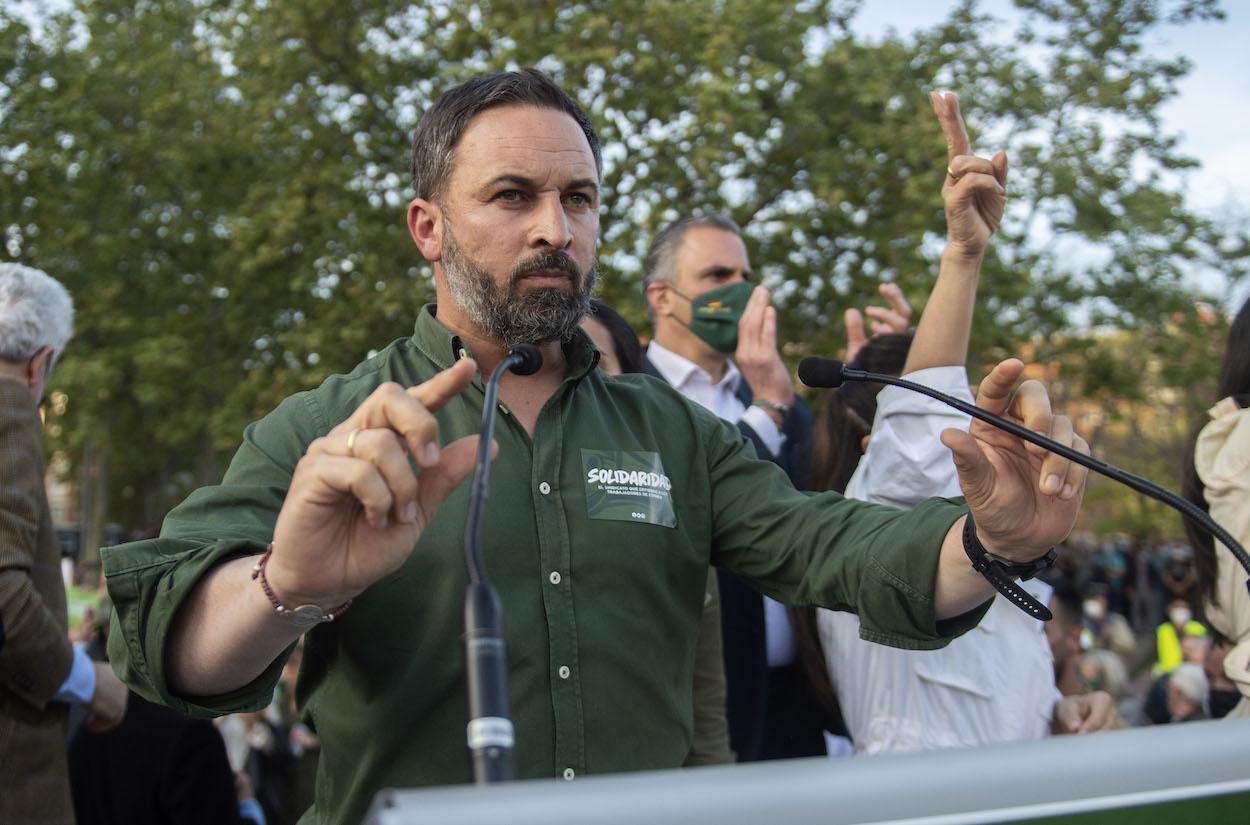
(544, 488)
(568, 774)
(555, 577)
(564, 671)
(464, 353)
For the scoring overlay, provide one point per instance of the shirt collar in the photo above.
(677, 369)
(444, 349)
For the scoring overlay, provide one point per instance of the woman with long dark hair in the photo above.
(1217, 479)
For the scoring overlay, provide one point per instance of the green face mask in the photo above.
(714, 315)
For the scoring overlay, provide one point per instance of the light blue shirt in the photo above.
(250, 809)
(79, 686)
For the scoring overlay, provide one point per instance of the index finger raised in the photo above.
(409, 411)
(946, 107)
(444, 386)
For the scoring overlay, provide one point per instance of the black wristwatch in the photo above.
(1002, 573)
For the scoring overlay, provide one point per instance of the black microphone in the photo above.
(826, 372)
(490, 733)
(527, 359)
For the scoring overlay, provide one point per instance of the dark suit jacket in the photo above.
(770, 714)
(36, 655)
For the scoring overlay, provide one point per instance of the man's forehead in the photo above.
(528, 141)
(704, 246)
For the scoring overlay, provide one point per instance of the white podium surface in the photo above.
(1063, 776)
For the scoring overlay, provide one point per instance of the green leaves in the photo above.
(221, 183)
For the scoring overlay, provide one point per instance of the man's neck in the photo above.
(681, 341)
(18, 372)
(487, 351)
(524, 395)
(10, 369)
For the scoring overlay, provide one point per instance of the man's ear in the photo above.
(425, 225)
(658, 298)
(39, 366)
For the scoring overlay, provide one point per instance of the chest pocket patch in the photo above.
(627, 486)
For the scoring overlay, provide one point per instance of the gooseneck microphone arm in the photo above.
(490, 733)
(829, 373)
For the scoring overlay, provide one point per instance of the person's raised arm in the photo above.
(353, 513)
(974, 194)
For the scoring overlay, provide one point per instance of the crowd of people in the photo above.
(694, 567)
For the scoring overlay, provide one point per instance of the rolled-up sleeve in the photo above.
(148, 581)
(906, 461)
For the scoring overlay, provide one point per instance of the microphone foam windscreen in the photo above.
(531, 359)
(820, 372)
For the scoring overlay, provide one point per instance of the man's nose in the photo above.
(551, 224)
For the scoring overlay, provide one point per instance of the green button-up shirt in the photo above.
(598, 536)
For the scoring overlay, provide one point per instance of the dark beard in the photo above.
(508, 315)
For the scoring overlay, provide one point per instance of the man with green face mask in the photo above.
(716, 337)
(716, 343)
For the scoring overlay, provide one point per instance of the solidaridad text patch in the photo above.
(627, 486)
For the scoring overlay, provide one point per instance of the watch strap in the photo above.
(1002, 573)
(775, 406)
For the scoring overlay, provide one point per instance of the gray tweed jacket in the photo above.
(35, 659)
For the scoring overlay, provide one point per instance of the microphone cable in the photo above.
(830, 373)
(489, 732)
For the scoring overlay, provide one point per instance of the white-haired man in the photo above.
(40, 673)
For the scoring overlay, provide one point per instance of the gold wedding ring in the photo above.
(351, 442)
(951, 174)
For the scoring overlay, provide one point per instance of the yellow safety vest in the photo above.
(1168, 645)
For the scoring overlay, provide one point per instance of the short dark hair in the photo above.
(439, 130)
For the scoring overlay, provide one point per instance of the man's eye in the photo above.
(579, 198)
(510, 195)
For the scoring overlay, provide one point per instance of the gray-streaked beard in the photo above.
(506, 314)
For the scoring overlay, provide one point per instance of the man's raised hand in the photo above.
(1024, 499)
(356, 507)
(894, 318)
(975, 189)
(757, 355)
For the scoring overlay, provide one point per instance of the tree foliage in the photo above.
(221, 183)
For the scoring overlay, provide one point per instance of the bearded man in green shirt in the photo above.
(610, 498)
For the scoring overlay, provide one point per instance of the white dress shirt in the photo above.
(720, 397)
(996, 683)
